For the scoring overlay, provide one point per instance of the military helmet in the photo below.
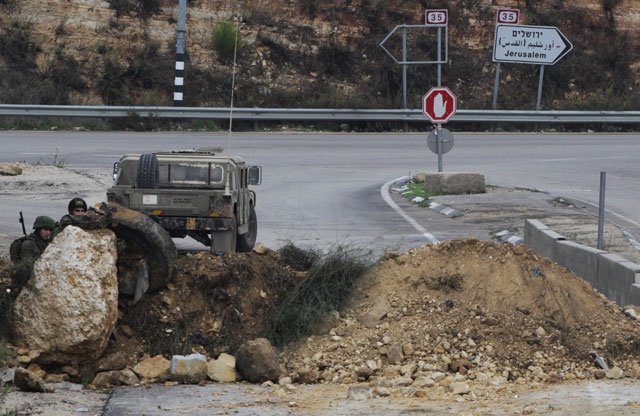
(44, 222)
(76, 203)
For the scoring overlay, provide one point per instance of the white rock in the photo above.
(438, 376)
(615, 373)
(223, 370)
(284, 381)
(459, 388)
(402, 381)
(381, 391)
(74, 307)
(540, 332)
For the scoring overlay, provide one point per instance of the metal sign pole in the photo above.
(404, 68)
(439, 56)
(178, 88)
(603, 180)
(540, 88)
(439, 141)
(495, 87)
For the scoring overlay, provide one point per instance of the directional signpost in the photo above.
(438, 19)
(538, 45)
(542, 45)
(439, 105)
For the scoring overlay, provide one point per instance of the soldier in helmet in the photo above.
(77, 206)
(31, 247)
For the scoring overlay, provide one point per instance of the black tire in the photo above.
(246, 241)
(153, 240)
(147, 174)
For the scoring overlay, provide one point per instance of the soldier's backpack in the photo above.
(15, 248)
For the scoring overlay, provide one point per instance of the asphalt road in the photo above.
(322, 189)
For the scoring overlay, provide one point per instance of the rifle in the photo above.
(21, 220)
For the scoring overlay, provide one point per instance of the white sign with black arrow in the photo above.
(540, 45)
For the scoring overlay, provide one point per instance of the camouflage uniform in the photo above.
(32, 247)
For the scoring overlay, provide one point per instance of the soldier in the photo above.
(30, 249)
(77, 206)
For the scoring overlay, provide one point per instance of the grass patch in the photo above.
(223, 39)
(329, 284)
(417, 190)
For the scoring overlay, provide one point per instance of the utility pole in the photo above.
(178, 88)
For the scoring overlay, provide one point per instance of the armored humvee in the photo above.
(192, 193)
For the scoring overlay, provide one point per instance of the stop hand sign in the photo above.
(439, 104)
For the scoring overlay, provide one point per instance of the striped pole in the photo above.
(178, 88)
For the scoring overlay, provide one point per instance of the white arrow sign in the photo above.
(542, 45)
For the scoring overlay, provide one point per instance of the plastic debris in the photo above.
(601, 362)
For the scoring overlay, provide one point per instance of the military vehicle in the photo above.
(195, 193)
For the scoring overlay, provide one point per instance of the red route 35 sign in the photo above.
(508, 16)
(439, 105)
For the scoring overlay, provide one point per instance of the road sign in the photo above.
(541, 45)
(439, 105)
(446, 141)
(436, 17)
(508, 16)
(404, 60)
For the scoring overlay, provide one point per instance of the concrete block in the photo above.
(455, 183)
(634, 294)
(190, 368)
(580, 259)
(616, 275)
(539, 238)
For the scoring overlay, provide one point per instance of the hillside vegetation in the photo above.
(301, 53)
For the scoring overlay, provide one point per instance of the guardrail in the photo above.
(314, 114)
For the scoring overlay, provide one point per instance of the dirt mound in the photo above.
(492, 279)
(502, 309)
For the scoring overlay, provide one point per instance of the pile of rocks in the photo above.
(422, 333)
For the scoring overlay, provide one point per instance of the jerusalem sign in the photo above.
(541, 45)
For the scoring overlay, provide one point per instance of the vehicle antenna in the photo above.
(233, 78)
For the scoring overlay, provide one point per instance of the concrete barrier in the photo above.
(613, 276)
(580, 259)
(616, 275)
(540, 238)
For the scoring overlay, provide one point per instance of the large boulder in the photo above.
(257, 361)
(455, 183)
(70, 306)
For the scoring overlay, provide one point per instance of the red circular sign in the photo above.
(439, 104)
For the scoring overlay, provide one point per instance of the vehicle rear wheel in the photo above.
(246, 241)
(147, 173)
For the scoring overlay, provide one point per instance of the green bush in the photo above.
(225, 39)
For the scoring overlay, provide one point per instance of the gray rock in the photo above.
(6, 375)
(27, 381)
(378, 311)
(395, 355)
(257, 361)
(307, 375)
(359, 392)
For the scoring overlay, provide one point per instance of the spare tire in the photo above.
(147, 173)
(155, 243)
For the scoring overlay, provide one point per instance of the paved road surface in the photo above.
(322, 189)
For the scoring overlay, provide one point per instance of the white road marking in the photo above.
(384, 192)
